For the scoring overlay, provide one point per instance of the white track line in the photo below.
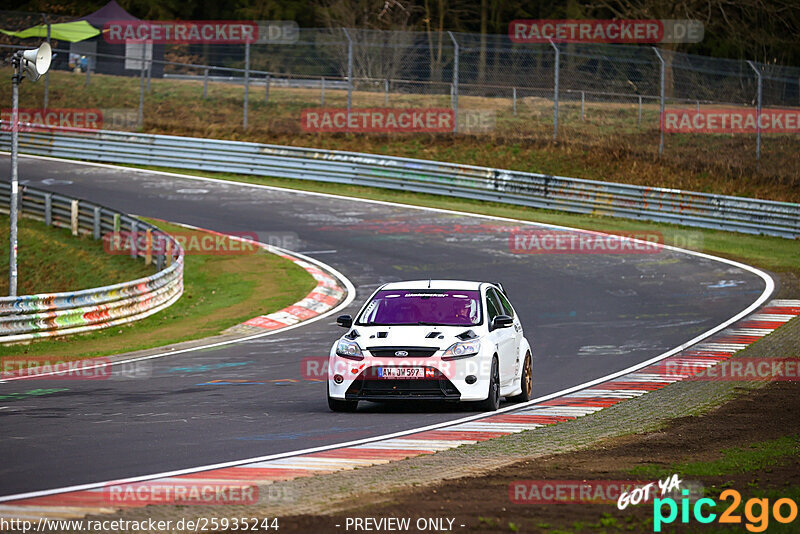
(769, 283)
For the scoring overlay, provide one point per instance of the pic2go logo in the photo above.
(783, 510)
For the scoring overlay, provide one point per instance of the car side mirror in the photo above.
(502, 321)
(345, 321)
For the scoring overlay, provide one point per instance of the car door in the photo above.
(503, 338)
(518, 335)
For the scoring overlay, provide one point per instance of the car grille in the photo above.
(368, 388)
(435, 386)
(404, 389)
(413, 352)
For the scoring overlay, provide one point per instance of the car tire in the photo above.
(525, 381)
(492, 402)
(337, 405)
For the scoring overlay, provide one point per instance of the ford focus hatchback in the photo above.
(431, 340)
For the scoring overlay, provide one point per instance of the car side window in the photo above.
(492, 308)
(506, 305)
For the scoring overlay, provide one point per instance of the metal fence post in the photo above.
(148, 246)
(266, 88)
(134, 238)
(386, 92)
(349, 74)
(322, 91)
(96, 223)
(758, 110)
(88, 69)
(149, 72)
(141, 89)
(555, 91)
(583, 103)
(246, 82)
(514, 100)
(74, 214)
(639, 118)
(48, 209)
(159, 252)
(663, 89)
(205, 83)
(455, 81)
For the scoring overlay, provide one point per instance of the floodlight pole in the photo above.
(47, 74)
(12, 209)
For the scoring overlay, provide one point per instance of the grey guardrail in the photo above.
(466, 181)
(54, 314)
(274, 80)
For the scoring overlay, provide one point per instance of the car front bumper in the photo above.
(444, 379)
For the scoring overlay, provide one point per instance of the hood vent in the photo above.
(434, 334)
(469, 334)
(352, 334)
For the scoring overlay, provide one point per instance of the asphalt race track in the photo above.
(587, 315)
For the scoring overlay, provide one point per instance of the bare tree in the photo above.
(382, 39)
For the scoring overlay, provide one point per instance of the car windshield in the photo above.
(423, 306)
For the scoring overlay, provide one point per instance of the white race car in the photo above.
(431, 340)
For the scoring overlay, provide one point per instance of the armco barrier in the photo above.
(466, 181)
(32, 316)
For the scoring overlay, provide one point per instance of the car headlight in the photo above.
(349, 349)
(462, 349)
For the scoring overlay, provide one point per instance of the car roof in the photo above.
(434, 284)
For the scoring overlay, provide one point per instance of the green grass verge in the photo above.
(219, 292)
(757, 456)
(773, 253)
(51, 260)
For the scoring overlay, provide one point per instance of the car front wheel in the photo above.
(525, 381)
(337, 405)
(492, 402)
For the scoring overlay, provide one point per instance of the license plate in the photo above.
(401, 372)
